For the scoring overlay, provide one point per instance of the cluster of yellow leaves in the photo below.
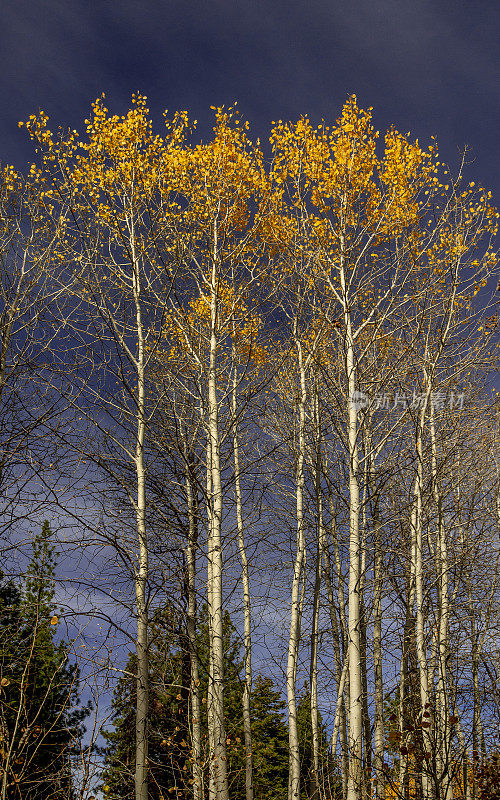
(188, 332)
(393, 791)
(9, 180)
(333, 184)
(222, 176)
(123, 157)
(326, 194)
(337, 169)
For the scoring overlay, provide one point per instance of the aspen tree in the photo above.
(179, 436)
(118, 285)
(243, 360)
(339, 642)
(296, 599)
(191, 550)
(446, 331)
(320, 549)
(338, 165)
(245, 349)
(373, 247)
(222, 190)
(300, 360)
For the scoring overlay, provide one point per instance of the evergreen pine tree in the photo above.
(270, 741)
(169, 717)
(40, 722)
(169, 723)
(328, 777)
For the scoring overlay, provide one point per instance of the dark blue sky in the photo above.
(429, 66)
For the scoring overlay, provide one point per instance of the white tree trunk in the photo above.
(215, 554)
(403, 681)
(417, 550)
(141, 575)
(367, 738)
(378, 760)
(355, 786)
(192, 506)
(339, 705)
(443, 755)
(293, 646)
(247, 687)
(337, 641)
(313, 674)
(313, 680)
(212, 783)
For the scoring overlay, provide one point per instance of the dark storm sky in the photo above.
(431, 67)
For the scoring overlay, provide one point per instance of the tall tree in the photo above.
(118, 193)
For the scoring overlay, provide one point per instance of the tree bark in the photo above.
(378, 760)
(355, 786)
(215, 549)
(417, 549)
(212, 783)
(313, 675)
(337, 641)
(141, 574)
(247, 686)
(192, 545)
(295, 614)
(444, 772)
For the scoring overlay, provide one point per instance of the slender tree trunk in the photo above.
(141, 574)
(313, 675)
(403, 688)
(443, 739)
(293, 647)
(355, 673)
(477, 724)
(192, 506)
(378, 760)
(417, 548)
(378, 752)
(215, 550)
(367, 738)
(247, 687)
(313, 678)
(339, 671)
(212, 783)
(338, 708)
(141, 727)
